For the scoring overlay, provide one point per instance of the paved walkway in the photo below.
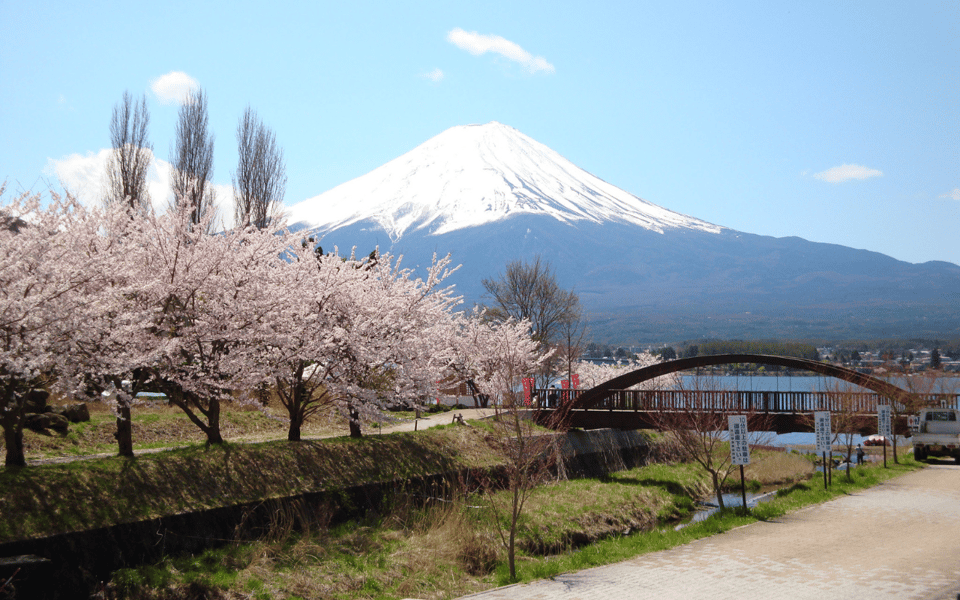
(899, 540)
(432, 420)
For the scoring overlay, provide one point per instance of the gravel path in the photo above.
(899, 540)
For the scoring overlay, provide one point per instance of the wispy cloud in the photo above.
(174, 87)
(434, 75)
(477, 44)
(846, 173)
(953, 194)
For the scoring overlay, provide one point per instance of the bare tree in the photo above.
(847, 417)
(130, 160)
(570, 343)
(697, 429)
(529, 458)
(261, 177)
(529, 291)
(193, 159)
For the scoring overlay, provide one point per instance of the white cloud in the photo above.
(174, 87)
(82, 176)
(434, 75)
(478, 44)
(846, 173)
(952, 195)
(86, 177)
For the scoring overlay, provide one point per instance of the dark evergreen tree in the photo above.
(667, 353)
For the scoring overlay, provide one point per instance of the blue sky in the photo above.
(833, 121)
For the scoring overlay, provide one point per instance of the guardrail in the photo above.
(743, 401)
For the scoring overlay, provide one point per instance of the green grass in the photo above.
(568, 514)
(616, 549)
(447, 550)
(57, 498)
(613, 550)
(411, 552)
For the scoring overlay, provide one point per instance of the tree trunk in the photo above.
(124, 432)
(716, 488)
(355, 424)
(213, 423)
(295, 409)
(210, 427)
(514, 517)
(13, 440)
(293, 434)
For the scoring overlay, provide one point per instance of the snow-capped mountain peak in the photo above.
(477, 174)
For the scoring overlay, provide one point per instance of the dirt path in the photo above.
(899, 540)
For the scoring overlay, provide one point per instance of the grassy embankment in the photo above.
(448, 550)
(86, 494)
(443, 550)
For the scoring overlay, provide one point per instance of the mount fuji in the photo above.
(488, 195)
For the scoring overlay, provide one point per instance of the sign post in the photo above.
(739, 450)
(821, 420)
(883, 428)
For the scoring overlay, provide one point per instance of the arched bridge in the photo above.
(612, 404)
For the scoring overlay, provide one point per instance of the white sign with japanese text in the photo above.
(739, 445)
(821, 420)
(883, 420)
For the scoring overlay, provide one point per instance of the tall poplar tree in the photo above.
(261, 177)
(193, 159)
(131, 154)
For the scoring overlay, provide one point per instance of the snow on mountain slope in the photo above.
(478, 174)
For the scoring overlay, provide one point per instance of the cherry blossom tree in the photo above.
(179, 305)
(352, 334)
(201, 297)
(496, 355)
(119, 301)
(51, 257)
(593, 374)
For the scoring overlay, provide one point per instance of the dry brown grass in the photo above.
(448, 548)
(772, 467)
(425, 553)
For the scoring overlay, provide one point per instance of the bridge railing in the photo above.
(747, 401)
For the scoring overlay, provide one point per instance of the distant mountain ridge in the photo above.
(489, 194)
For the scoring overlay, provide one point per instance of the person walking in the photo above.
(552, 397)
(860, 454)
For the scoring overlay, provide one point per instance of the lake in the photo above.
(814, 383)
(818, 383)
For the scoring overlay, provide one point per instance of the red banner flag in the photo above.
(527, 389)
